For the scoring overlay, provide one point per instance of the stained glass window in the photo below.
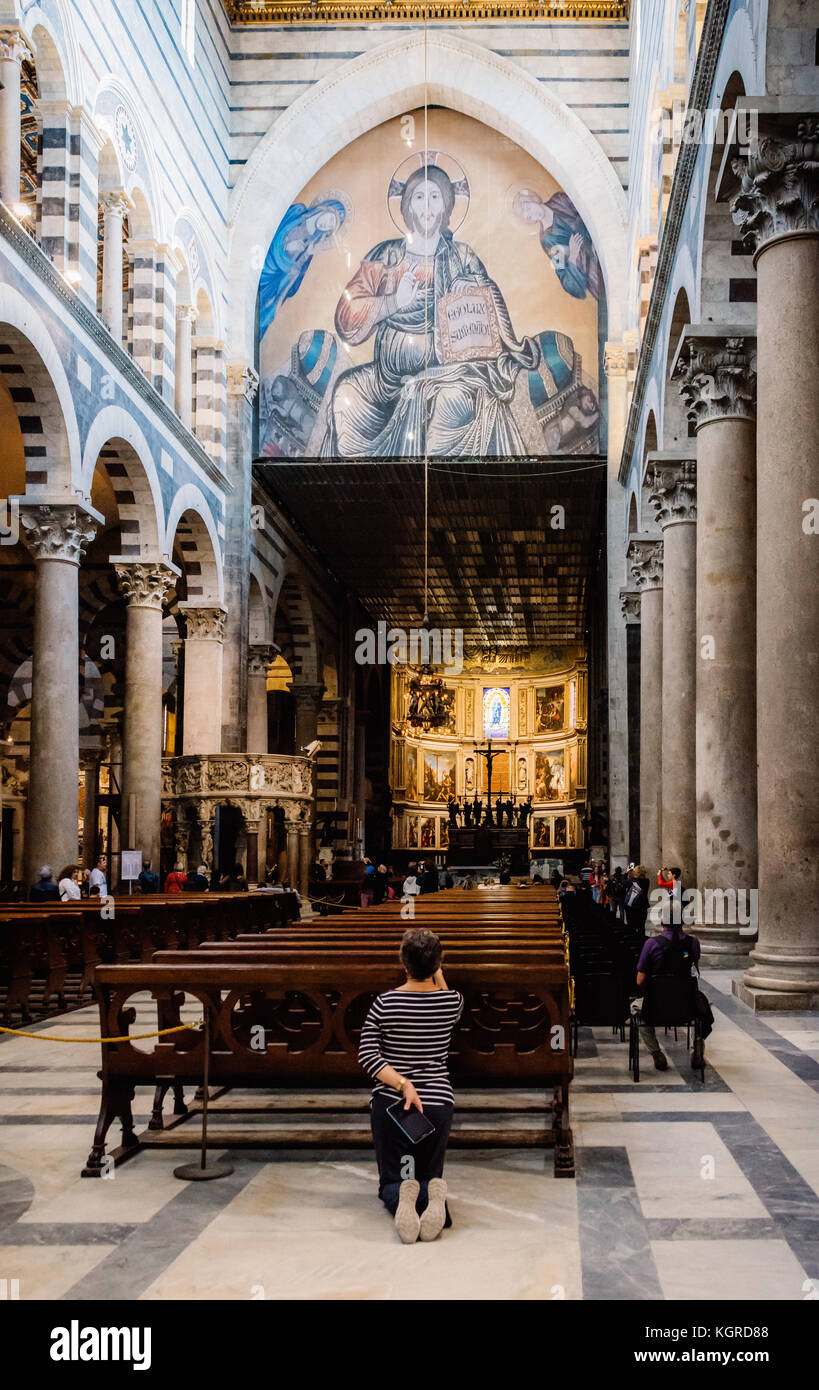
(496, 705)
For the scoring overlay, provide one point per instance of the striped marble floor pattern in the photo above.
(684, 1190)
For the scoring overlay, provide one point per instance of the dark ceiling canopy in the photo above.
(505, 564)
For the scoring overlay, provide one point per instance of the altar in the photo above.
(484, 844)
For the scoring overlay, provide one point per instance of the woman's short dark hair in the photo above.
(420, 953)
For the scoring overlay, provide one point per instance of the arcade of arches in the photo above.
(496, 332)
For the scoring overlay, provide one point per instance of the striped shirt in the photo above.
(411, 1030)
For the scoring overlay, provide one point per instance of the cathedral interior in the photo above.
(397, 468)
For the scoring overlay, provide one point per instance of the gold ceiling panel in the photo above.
(343, 12)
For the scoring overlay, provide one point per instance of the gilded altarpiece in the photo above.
(532, 708)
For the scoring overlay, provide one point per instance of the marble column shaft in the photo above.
(145, 585)
(645, 562)
(718, 383)
(778, 207)
(673, 497)
(114, 208)
(293, 839)
(202, 710)
(57, 535)
(260, 657)
(242, 385)
(13, 48)
(183, 363)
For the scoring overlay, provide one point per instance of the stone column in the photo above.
(674, 499)
(293, 839)
(202, 718)
(307, 700)
(90, 767)
(56, 534)
(13, 49)
(252, 837)
(145, 585)
(114, 206)
(242, 385)
(305, 861)
(645, 562)
(261, 655)
(183, 363)
(630, 609)
(618, 361)
(716, 369)
(777, 208)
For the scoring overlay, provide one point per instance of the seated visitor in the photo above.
(366, 887)
(234, 881)
(404, 1048)
(44, 889)
(671, 953)
(148, 880)
(176, 879)
(68, 886)
(428, 879)
(196, 882)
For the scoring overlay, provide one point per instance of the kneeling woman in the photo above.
(404, 1048)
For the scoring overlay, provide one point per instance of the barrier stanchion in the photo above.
(218, 1167)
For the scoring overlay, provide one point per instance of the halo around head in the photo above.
(421, 159)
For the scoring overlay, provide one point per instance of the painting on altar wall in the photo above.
(411, 755)
(428, 832)
(411, 823)
(351, 318)
(496, 703)
(542, 839)
(444, 834)
(550, 776)
(549, 707)
(560, 832)
(439, 776)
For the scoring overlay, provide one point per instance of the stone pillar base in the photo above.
(767, 1000)
(723, 948)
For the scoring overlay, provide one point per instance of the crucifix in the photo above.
(490, 754)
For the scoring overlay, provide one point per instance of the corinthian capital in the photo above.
(630, 606)
(58, 531)
(14, 46)
(645, 563)
(717, 377)
(242, 380)
(673, 489)
(204, 624)
(260, 655)
(145, 583)
(779, 180)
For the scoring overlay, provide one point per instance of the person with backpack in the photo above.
(673, 953)
(148, 881)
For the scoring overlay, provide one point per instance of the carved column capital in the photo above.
(14, 46)
(204, 623)
(115, 202)
(58, 531)
(146, 584)
(717, 378)
(259, 657)
(778, 180)
(630, 606)
(645, 563)
(307, 694)
(186, 313)
(673, 491)
(242, 380)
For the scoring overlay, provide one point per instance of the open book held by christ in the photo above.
(467, 326)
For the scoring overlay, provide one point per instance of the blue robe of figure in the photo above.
(297, 238)
(580, 277)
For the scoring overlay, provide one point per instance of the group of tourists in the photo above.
(72, 885)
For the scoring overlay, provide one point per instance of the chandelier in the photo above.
(427, 707)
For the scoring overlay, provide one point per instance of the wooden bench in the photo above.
(514, 1033)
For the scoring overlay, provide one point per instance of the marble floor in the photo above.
(683, 1190)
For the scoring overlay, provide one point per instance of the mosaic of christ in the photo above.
(473, 331)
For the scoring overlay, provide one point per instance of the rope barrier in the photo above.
(126, 1037)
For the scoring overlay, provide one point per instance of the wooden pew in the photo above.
(514, 1033)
